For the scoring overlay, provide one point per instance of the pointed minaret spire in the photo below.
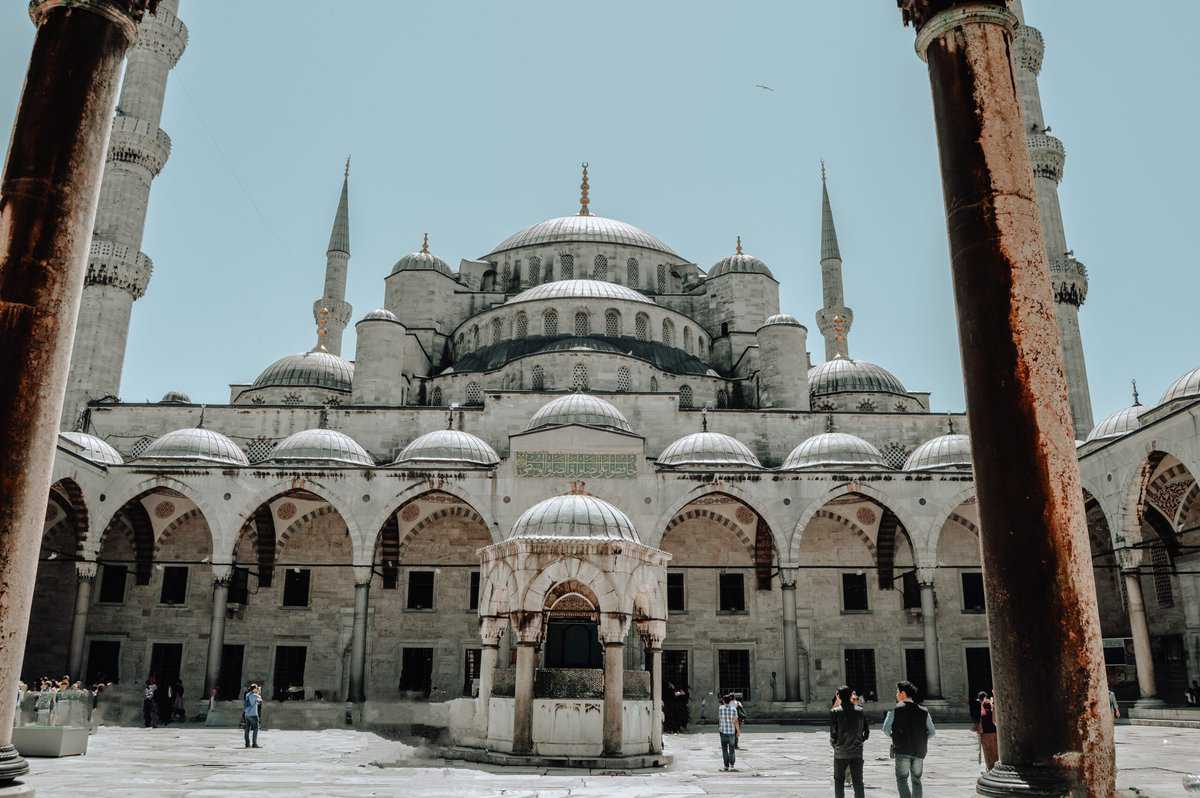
(583, 193)
(337, 262)
(834, 318)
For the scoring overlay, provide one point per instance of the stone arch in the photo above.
(297, 487)
(940, 517)
(534, 595)
(715, 518)
(286, 535)
(170, 529)
(732, 491)
(867, 492)
(646, 594)
(170, 486)
(852, 527)
(365, 547)
(499, 589)
(67, 494)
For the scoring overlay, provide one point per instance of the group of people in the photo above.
(162, 704)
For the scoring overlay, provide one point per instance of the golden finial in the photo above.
(347, 173)
(578, 488)
(425, 245)
(583, 193)
(322, 322)
(739, 245)
(949, 424)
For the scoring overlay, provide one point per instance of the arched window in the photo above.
(535, 269)
(566, 266)
(548, 273)
(633, 275)
(579, 377)
(624, 379)
(583, 324)
(488, 281)
(435, 397)
(687, 339)
(505, 278)
(600, 268)
(537, 379)
(516, 276)
(612, 322)
(722, 398)
(685, 396)
(522, 325)
(474, 394)
(653, 384)
(496, 331)
(662, 278)
(668, 332)
(700, 345)
(550, 322)
(641, 326)
(460, 346)
(474, 337)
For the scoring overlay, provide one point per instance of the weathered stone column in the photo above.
(491, 629)
(1139, 629)
(216, 633)
(653, 632)
(358, 637)
(933, 664)
(523, 704)
(614, 697)
(791, 645)
(1035, 551)
(85, 576)
(48, 202)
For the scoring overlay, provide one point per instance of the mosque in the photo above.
(579, 451)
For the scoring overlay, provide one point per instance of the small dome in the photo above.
(834, 449)
(423, 260)
(579, 408)
(449, 446)
(580, 229)
(321, 446)
(194, 444)
(308, 369)
(944, 451)
(782, 318)
(843, 375)
(1186, 387)
(574, 516)
(708, 449)
(175, 398)
(380, 314)
(1117, 424)
(739, 263)
(579, 289)
(92, 448)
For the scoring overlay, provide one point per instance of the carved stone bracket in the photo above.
(119, 266)
(492, 629)
(85, 571)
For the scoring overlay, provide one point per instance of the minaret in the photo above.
(1068, 277)
(118, 271)
(834, 319)
(337, 260)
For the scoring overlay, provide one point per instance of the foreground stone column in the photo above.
(1041, 598)
(48, 202)
(216, 634)
(523, 705)
(1139, 630)
(614, 697)
(656, 698)
(358, 639)
(933, 667)
(491, 630)
(791, 645)
(85, 576)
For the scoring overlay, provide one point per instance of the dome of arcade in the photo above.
(708, 449)
(739, 263)
(834, 449)
(579, 408)
(786, 319)
(581, 229)
(309, 369)
(574, 516)
(448, 447)
(580, 289)
(175, 398)
(1186, 387)
(380, 314)
(944, 451)
(93, 448)
(1117, 424)
(194, 445)
(321, 446)
(843, 375)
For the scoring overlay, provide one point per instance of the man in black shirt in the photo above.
(910, 728)
(847, 731)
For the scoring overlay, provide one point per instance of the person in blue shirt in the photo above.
(910, 727)
(727, 716)
(250, 706)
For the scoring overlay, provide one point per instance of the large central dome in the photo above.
(576, 229)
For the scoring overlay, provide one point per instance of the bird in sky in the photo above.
(763, 86)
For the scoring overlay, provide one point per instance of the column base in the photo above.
(1035, 781)
(12, 764)
(1149, 703)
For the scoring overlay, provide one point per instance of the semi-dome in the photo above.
(834, 450)
(842, 375)
(1186, 387)
(708, 449)
(579, 408)
(194, 445)
(574, 516)
(321, 446)
(175, 398)
(93, 448)
(786, 319)
(310, 370)
(580, 289)
(448, 447)
(1117, 424)
(422, 261)
(944, 451)
(380, 314)
(739, 263)
(581, 229)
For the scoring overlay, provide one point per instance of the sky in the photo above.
(468, 120)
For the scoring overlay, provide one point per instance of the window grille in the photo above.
(685, 396)
(1162, 575)
(653, 384)
(566, 266)
(474, 337)
(623, 379)
(548, 274)
(700, 346)
(866, 406)
(140, 446)
(535, 269)
(722, 398)
(293, 399)
(642, 327)
(600, 268)
(733, 672)
(505, 278)
(435, 398)
(633, 275)
(860, 671)
(579, 377)
(522, 325)
(516, 276)
(537, 379)
(612, 323)
(668, 332)
(259, 449)
(474, 394)
(662, 278)
(550, 322)
(687, 339)
(894, 454)
(583, 325)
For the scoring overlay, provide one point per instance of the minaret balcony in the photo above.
(162, 33)
(118, 265)
(138, 142)
(1069, 281)
(1048, 156)
(1029, 48)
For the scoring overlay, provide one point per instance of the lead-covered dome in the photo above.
(834, 450)
(175, 398)
(574, 516)
(786, 319)
(1186, 387)
(449, 448)
(380, 314)
(580, 289)
(422, 261)
(581, 229)
(843, 375)
(579, 408)
(308, 370)
(92, 448)
(194, 445)
(708, 449)
(739, 263)
(1117, 424)
(944, 451)
(321, 446)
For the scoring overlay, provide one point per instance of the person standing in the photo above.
(910, 727)
(741, 718)
(727, 728)
(250, 707)
(149, 707)
(848, 729)
(987, 730)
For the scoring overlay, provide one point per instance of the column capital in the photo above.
(85, 570)
(614, 627)
(222, 573)
(935, 18)
(527, 625)
(1129, 560)
(653, 633)
(363, 574)
(492, 629)
(925, 577)
(126, 14)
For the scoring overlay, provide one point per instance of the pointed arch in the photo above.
(885, 503)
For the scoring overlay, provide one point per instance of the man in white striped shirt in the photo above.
(727, 716)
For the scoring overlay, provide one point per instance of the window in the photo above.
(854, 593)
(516, 276)
(471, 661)
(732, 593)
(700, 346)
(624, 378)
(460, 347)
(505, 278)
(687, 339)
(579, 377)
(676, 598)
(259, 449)
(653, 384)
(633, 276)
(722, 398)
(675, 668)
(473, 596)
(416, 671)
(1162, 574)
(668, 332)
(733, 672)
(474, 394)
(293, 399)
(912, 591)
(548, 274)
(685, 396)
(641, 326)
(612, 323)
(535, 269)
(289, 672)
(914, 668)
(112, 583)
(537, 379)
(566, 266)
(174, 585)
(600, 268)
(972, 587)
(550, 322)
(474, 337)
(239, 586)
(522, 325)
(497, 329)
(435, 398)
(662, 278)
(860, 672)
(583, 324)
(420, 590)
(866, 406)
(295, 587)
(103, 661)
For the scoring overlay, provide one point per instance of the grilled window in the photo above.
(471, 661)
(550, 322)
(662, 278)
(623, 379)
(733, 672)
(642, 327)
(435, 397)
(522, 325)
(860, 671)
(676, 597)
(566, 266)
(612, 323)
(685, 396)
(854, 593)
(633, 275)
(687, 339)
(732, 593)
(174, 585)
(583, 323)
(296, 582)
(420, 590)
(579, 377)
(535, 269)
(474, 394)
(537, 379)
(600, 268)
(497, 331)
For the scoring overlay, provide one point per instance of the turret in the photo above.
(834, 318)
(783, 363)
(379, 364)
(742, 292)
(337, 262)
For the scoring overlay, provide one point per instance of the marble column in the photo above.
(614, 697)
(358, 640)
(523, 705)
(791, 645)
(85, 575)
(216, 634)
(1140, 631)
(491, 631)
(933, 667)
(656, 698)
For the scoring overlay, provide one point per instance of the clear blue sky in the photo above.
(468, 120)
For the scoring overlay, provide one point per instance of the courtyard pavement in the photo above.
(776, 761)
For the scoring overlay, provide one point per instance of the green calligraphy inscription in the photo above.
(572, 465)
